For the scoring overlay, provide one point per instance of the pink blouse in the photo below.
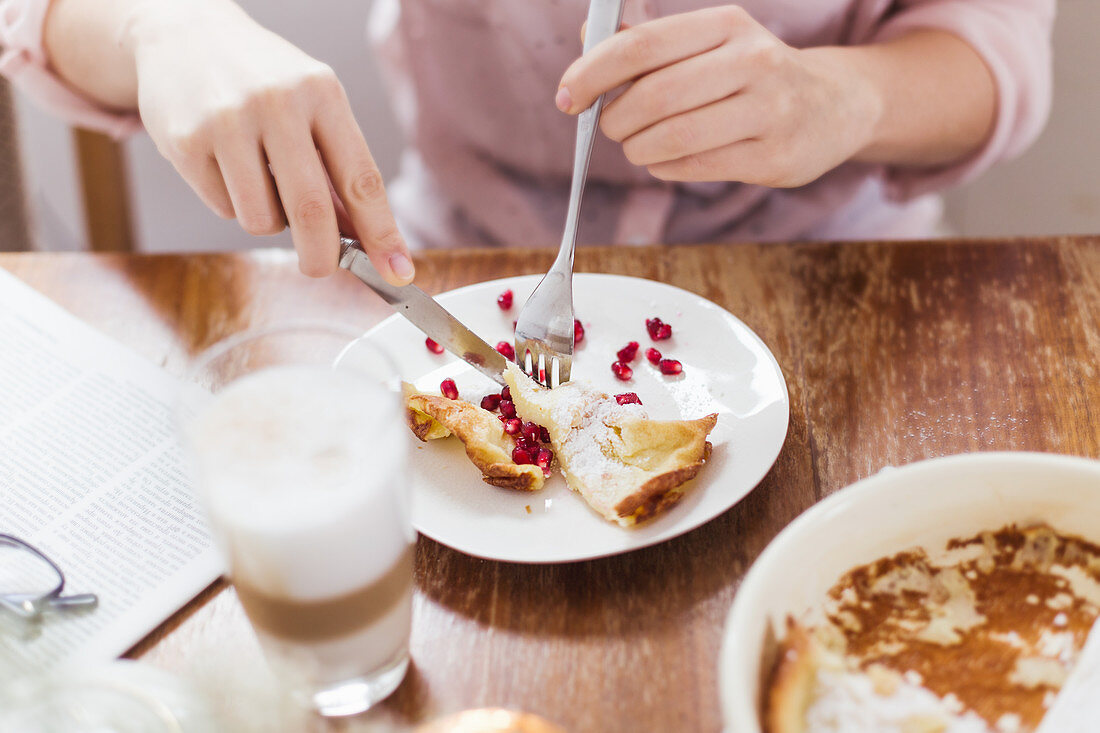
(490, 156)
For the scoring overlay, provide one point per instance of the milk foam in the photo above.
(302, 472)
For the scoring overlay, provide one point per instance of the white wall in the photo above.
(1053, 188)
(49, 178)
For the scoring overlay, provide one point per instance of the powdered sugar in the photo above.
(590, 416)
(1077, 707)
(848, 701)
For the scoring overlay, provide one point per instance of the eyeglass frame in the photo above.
(30, 606)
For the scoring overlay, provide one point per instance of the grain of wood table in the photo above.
(893, 352)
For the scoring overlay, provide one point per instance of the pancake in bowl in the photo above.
(980, 636)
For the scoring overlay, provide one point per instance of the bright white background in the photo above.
(1053, 188)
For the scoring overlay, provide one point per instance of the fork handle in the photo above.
(604, 17)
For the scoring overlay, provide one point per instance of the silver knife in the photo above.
(425, 313)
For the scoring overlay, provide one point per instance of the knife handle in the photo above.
(347, 243)
(355, 260)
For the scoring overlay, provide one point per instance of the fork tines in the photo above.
(536, 368)
(545, 366)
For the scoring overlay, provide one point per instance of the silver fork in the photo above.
(544, 329)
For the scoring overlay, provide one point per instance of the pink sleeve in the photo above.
(1013, 38)
(23, 61)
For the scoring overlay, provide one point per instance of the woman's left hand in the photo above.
(715, 96)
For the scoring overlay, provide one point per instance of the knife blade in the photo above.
(425, 313)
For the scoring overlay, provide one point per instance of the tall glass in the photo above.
(299, 452)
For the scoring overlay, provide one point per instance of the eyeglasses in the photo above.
(31, 583)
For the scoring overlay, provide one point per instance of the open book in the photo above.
(92, 474)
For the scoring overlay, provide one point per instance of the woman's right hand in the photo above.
(258, 129)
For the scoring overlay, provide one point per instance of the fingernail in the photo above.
(564, 100)
(402, 266)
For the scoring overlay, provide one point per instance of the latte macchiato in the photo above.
(301, 471)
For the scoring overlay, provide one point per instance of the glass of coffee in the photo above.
(299, 450)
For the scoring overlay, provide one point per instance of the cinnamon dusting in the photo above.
(998, 626)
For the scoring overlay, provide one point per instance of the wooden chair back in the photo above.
(14, 220)
(101, 165)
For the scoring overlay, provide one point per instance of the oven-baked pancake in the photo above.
(625, 465)
(979, 637)
(432, 417)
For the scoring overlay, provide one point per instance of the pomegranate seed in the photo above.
(628, 398)
(521, 456)
(433, 346)
(670, 366)
(578, 332)
(512, 425)
(507, 408)
(544, 435)
(654, 356)
(449, 389)
(531, 432)
(502, 418)
(504, 300)
(490, 402)
(663, 333)
(628, 352)
(506, 350)
(652, 324)
(506, 394)
(543, 459)
(622, 371)
(527, 445)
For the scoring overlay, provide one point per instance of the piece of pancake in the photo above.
(432, 417)
(792, 685)
(625, 465)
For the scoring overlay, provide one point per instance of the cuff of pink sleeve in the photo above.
(1014, 42)
(24, 63)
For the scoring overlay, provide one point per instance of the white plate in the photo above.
(727, 369)
(922, 504)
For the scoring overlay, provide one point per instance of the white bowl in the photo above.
(922, 504)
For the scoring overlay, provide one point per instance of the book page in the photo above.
(93, 475)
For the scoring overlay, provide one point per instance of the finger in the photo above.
(358, 183)
(304, 192)
(205, 179)
(744, 161)
(711, 127)
(244, 170)
(673, 90)
(630, 53)
(343, 219)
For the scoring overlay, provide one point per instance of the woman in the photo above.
(775, 119)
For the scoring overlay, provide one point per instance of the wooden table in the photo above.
(893, 352)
